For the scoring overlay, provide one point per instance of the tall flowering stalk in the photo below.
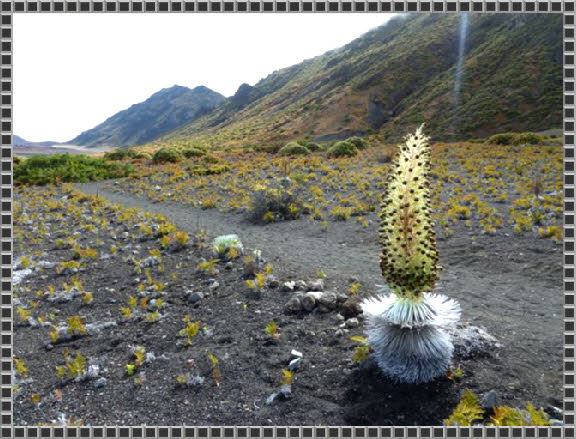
(406, 328)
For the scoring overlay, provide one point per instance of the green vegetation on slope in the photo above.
(56, 168)
(398, 76)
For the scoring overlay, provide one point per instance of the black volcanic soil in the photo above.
(510, 285)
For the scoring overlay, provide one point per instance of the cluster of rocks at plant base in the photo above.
(310, 297)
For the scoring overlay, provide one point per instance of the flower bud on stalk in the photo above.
(406, 327)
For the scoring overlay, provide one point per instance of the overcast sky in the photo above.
(73, 71)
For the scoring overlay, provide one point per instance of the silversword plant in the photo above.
(407, 327)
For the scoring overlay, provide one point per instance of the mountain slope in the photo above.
(19, 141)
(161, 113)
(400, 75)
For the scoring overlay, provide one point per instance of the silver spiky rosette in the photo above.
(408, 338)
(432, 309)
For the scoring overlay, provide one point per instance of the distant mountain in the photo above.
(19, 141)
(402, 74)
(161, 113)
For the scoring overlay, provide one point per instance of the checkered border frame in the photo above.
(6, 11)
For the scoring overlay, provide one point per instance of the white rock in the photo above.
(352, 323)
(296, 354)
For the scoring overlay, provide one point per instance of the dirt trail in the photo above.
(511, 285)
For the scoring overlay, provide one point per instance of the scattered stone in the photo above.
(301, 285)
(294, 305)
(556, 422)
(352, 323)
(471, 341)
(195, 297)
(309, 300)
(45, 264)
(350, 308)
(214, 286)
(272, 281)
(19, 275)
(329, 300)
(228, 265)
(296, 354)
(316, 285)
(490, 400)
(295, 364)
(283, 394)
(557, 411)
(340, 332)
(322, 308)
(288, 287)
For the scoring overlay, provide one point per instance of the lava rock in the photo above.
(272, 281)
(295, 364)
(316, 285)
(301, 285)
(294, 305)
(490, 400)
(350, 308)
(309, 300)
(195, 297)
(100, 382)
(352, 323)
(329, 300)
(288, 287)
(471, 341)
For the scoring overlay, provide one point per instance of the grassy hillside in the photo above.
(399, 75)
(164, 111)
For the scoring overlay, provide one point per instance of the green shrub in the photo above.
(358, 142)
(312, 146)
(501, 139)
(165, 155)
(281, 202)
(17, 160)
(516, 139)
(41, 169)
(528, 138)
(143, 156)
(270, 148)
(343, 149)
(292, 149)
(193, 152)
(120, 154)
